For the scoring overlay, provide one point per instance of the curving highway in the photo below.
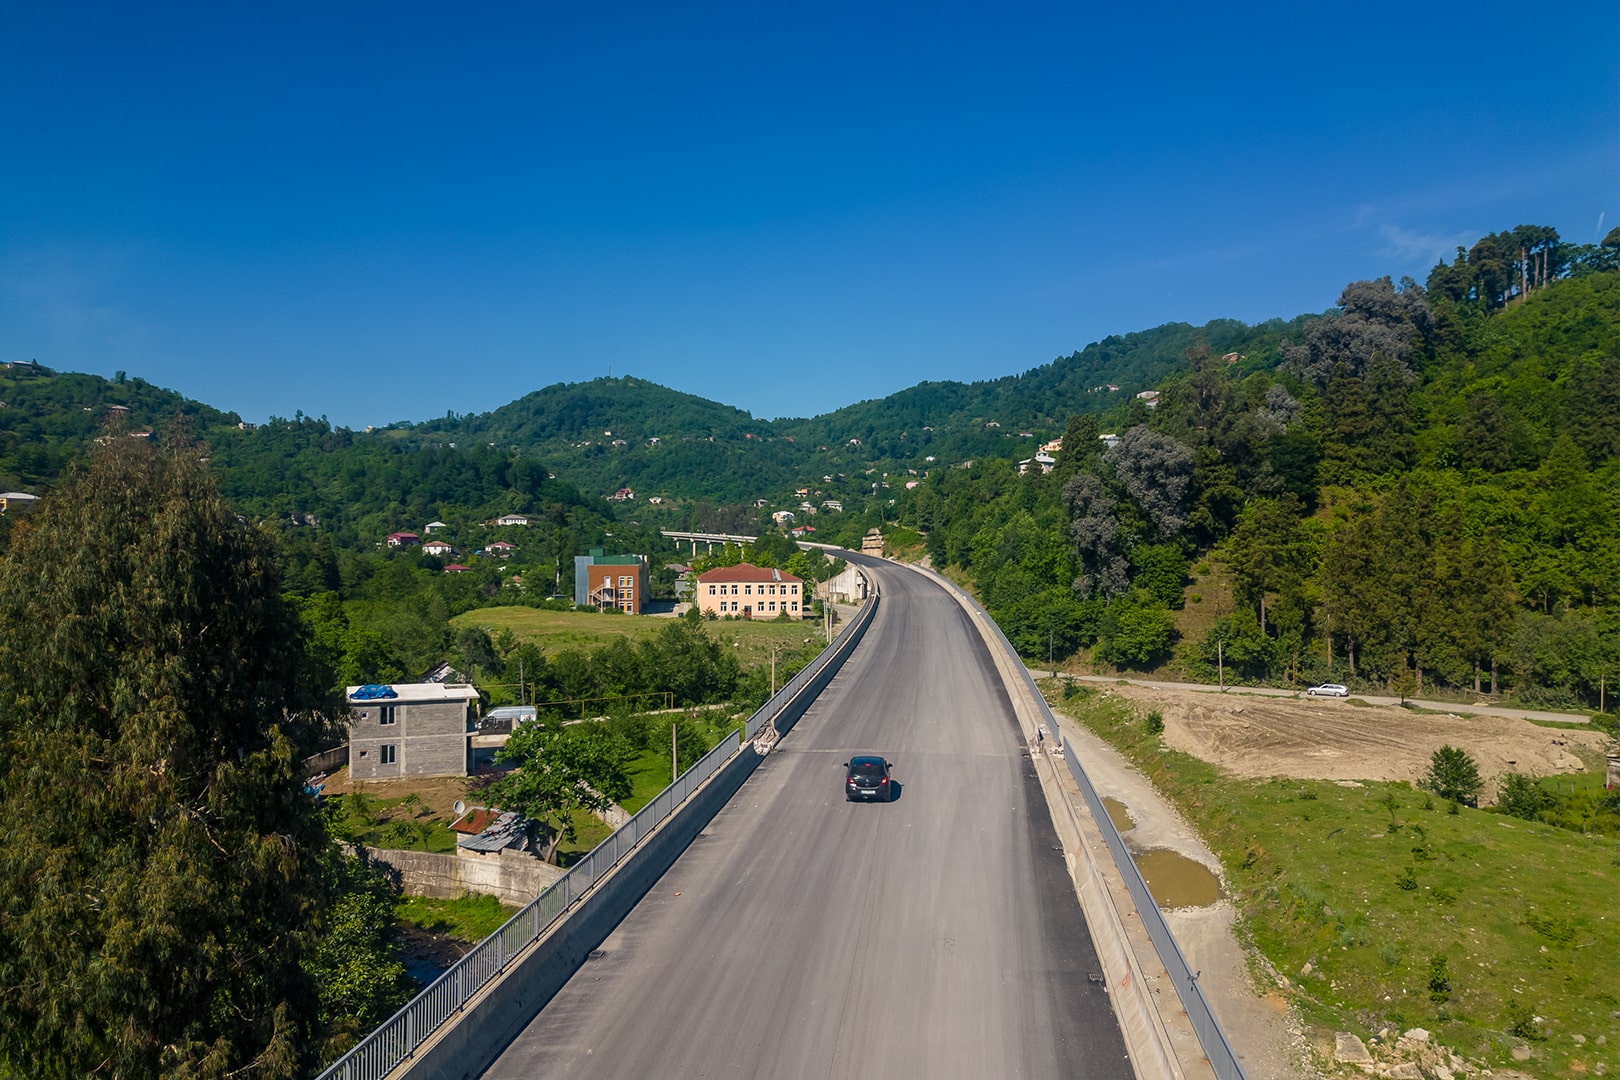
(801, 936)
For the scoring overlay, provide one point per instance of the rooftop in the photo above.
(430, 691)
(746, 572)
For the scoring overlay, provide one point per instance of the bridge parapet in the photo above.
(549, 938)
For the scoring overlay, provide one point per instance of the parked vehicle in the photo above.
(867, 777)
(1331, 689)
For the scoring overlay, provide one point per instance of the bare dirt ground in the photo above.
(1332, 739)
(438, 793)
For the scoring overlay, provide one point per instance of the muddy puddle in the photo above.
(1177, 881)
(1119, 814)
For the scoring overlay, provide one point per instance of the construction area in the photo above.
(1337, 739)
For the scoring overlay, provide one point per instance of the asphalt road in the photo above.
(801, 936)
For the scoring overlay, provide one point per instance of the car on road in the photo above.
(1331, 689)
(866, 776)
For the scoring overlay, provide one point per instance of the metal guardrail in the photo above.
(383, 1050)
(379, 1053)
(1222, 1058)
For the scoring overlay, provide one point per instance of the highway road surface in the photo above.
(802, 936)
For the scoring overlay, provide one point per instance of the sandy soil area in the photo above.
(1331, 739)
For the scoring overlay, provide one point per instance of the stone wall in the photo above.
(513, 877)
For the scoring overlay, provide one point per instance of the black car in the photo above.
(867, 777)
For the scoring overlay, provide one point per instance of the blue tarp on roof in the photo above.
(373, 691)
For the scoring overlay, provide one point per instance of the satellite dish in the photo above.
(460, 808)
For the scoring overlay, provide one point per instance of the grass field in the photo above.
(1387, 907)
(558, 630)
(472, 917)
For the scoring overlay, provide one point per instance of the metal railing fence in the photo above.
(1222, 1058)
(379, 1053)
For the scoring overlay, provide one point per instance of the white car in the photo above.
(1331, 689)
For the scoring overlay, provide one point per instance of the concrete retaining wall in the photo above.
(512, 877)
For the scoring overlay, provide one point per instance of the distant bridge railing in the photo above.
(1222, 1058)
(385, 1049)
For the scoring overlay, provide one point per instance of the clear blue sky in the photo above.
(382, 211)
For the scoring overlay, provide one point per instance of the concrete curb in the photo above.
(1104, 898)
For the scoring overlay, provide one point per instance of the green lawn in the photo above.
(558, 630)
(472, 917)
(393, 823)
(1467, 923)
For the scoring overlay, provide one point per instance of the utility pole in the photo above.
(1049, 654)
(1220, 661)
(674, 752)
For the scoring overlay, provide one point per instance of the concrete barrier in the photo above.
(500, 1012)
(1105, 901)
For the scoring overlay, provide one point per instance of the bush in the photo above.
(1453, 774)
(1517, 795)
(1155, 722)
(1439, 980)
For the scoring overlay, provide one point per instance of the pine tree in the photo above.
(162, 865)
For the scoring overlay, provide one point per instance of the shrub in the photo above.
(1155, 722)
(1453, 774)
(1517, 795)
(1439, 980)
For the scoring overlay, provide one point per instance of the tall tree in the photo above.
(161, 873)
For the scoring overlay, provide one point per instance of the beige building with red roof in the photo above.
(746, 591)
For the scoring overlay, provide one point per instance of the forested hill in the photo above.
(1040, 400)
(626, 432)
(1421, 487)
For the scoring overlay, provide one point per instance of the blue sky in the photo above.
(377, 212)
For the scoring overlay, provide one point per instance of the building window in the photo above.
(795, 605)
(734, 590)
(389, 753)
(711, 590)
(748, 590)
(385, 714)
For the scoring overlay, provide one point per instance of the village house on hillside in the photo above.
(402, 539)
(436, 547)
(747, 591)
(409, 729)
(512, 519)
